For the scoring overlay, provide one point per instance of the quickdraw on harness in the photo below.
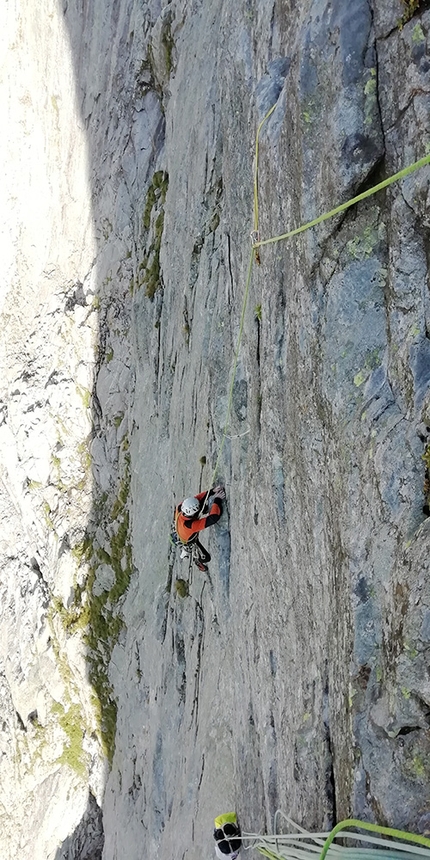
(174, 537)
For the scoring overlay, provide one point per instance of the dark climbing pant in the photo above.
(204, 555)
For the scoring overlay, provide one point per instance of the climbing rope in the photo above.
(370, 191)
(300, 844)
(374, 828)
(254, 237)
(258, 243)
(257, 144)
(233, 374)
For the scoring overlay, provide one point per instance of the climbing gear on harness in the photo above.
(190, 507)
(174, 538)
(194, 551)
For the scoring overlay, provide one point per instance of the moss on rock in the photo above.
(153, 225)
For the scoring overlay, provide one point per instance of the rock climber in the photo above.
(195, 514)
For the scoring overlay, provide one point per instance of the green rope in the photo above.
(259, 244)
(257, 141)
(244, 303)
(267, 853)
(245, 299)
(289, 846)
(233, 375)
(374, 828)
(370, 191)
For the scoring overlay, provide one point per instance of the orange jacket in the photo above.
(186, 527)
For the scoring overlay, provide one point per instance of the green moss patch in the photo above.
(168, 44)
(411, 8)
(98, 616)
(182, 588)
(72, 723)
(149, 271)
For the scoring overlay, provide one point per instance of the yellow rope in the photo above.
(233, 375)
(406, 171)
(257, 141)
(245, 300)
(257, 243)
(373, 828)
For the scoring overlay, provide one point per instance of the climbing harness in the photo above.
(193, 553)
(189, 549)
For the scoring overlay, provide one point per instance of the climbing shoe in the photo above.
(202, 566)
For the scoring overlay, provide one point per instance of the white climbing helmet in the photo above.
(190, 507)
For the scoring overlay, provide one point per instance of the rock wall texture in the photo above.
(140, 697)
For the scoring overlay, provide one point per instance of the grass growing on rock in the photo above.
(168, 44)
(95, 611)
(105, 620)
(72, 723)
(182, 588)
(153, 226)
(411, 7)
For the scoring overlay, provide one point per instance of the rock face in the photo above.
(141, 698)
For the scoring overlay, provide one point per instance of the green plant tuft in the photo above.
(168, 45)
(71, 721)
(153, 226)
(411, 7)
(98, 617)
(182, 588)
